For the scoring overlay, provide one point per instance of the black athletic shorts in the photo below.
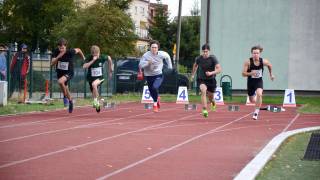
(91, 81)
(68, 75)
(210, 83)
(253, 85)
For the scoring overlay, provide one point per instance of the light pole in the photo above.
(178, 35)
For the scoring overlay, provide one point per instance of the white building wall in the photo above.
(304, 60)
(287, 29)
(138, 11)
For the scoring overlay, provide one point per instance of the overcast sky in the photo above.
(174, 6)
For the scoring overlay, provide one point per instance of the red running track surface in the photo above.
(130, 142)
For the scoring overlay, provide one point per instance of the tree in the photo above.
(32, 21)
(189, 37)
(161, 30)
(121, 4)
(106, 26)
(195, 11)
(165, 32)
(190, 40)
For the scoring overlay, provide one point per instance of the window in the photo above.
(141, 48)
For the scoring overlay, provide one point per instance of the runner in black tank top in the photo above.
(254, 82)
(253, 70)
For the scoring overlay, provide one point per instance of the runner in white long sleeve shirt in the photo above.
(152, 63)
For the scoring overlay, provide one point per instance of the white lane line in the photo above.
(230, 129)
(67, 129)
(90, 143)
(292, 121)
(168, 149)
(253, 168)
(42, 121)
(78, 127)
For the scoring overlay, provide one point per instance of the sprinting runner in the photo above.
(209, 67)
(63, 60)
(94, 63)
(152, 63)
(253, 69)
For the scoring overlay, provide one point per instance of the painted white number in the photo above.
(147, 94)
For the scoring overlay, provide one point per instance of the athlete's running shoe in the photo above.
(98, 108)
(155, 108)
(213, 106)
(255, 116)
(95, 104)
(70, 106)
(205, 113)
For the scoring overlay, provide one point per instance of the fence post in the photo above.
(13, 49)
(50, 74)
(85, 84)
(30, 75)
(8, 67)
(114, 78)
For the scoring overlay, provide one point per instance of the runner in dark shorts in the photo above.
(62, 58)
(253, 69)
(208, 67)
(94, 63)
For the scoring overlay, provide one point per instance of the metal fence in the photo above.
(42, 82)
(41, 79)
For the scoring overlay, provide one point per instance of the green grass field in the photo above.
(306, 104)
(288, 163)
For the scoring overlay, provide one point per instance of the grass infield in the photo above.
(288, 163)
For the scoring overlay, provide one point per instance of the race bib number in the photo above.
(95, 72)
(257, 73)
(63, 65)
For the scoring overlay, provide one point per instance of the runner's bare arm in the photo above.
(217, 70)
(194, 69)
(267, 63)
(78, 51)
(88, 64)
(55, 59)
(245, 69)
(110, 66)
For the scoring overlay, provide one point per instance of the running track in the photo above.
(131, 143)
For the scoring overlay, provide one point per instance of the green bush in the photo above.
(183, 69)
